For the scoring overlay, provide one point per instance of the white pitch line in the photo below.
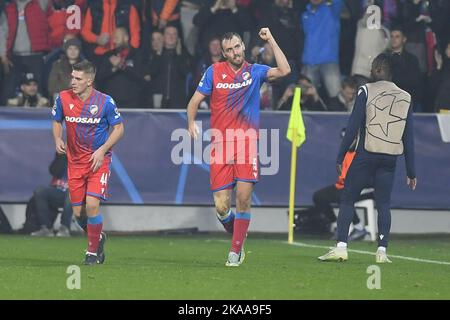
(300, 244)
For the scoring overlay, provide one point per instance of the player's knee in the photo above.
(243, 203)
(91, 209)
(222, 207)
(222, 203)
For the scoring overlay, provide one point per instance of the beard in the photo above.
(237, 62)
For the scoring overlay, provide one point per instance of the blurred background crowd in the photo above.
(152, 53)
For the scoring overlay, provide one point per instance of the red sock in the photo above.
(241, 223)
(94, 231)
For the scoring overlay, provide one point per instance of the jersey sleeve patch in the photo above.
(205, 85)
(112, 112)
(57, 111)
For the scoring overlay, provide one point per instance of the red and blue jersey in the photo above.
(87, 123)
(234, 96)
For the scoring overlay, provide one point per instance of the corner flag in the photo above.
(296, 127)
(296, 134)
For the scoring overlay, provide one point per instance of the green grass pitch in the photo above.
(192, 267)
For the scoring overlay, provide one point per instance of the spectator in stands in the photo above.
(60, 74)
(215, 18)
(391, 10)
(101, 20)
(369, 43)
(29, 95)
(157, 46)
(419, 18)
(165, 13)
(310, 99)
(350, 14)
(346, 97)
(155, 15)
(441, 80)
(170, 71)
(213, 55)
(188, 10)
(270, 92)
(27, 41)
(440, 22)
(120, 72)
(157, 42)
(284, 25)
(48, 200)
(62, 22)
(321, 25)
(406, 72)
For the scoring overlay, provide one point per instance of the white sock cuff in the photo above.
(225, 216)
(341, 245)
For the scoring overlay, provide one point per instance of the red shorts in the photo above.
(82, 182)
(233, 161)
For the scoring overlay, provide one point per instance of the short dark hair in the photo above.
(350, 82)
(382, 67)
(85, 66)
(399, 28)
(229, 36)
(302, 77)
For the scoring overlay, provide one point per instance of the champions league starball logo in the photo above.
(54, 109)
(387, 115)
(93, 109)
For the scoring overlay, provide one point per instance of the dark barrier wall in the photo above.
(143, 171)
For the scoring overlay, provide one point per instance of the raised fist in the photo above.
(265, 34)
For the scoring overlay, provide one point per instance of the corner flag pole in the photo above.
(292, 189)
(296, 134)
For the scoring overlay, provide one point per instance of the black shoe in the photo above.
(101, 249)
(91, 259)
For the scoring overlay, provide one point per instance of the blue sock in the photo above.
(95, 220)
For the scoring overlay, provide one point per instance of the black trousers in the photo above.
(364, 170)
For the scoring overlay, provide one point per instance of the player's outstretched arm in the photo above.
(192, 109)
(99, 154)
(57, 130)
(283, 68)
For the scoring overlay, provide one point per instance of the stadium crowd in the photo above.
(152, 53)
